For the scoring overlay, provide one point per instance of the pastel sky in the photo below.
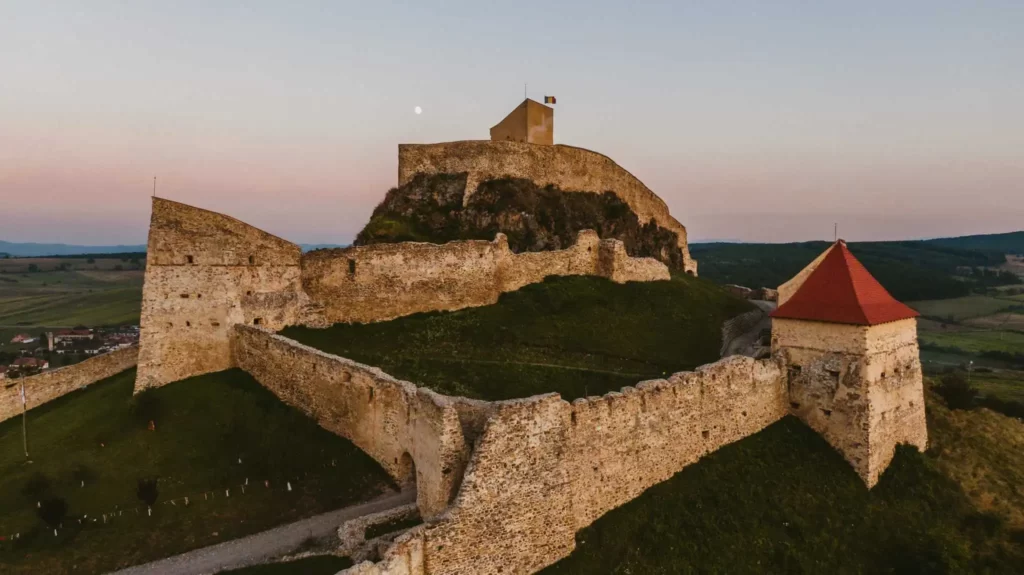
(753, 121)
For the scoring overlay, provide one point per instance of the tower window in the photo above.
(252, 260)
(189, 259)
(257, 321)
(351, 268)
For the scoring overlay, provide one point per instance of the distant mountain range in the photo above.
(30, 250)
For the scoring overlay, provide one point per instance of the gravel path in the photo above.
(260, 547)
(745, 343)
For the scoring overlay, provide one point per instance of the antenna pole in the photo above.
(835, 232)
(524, 90)
(154, 186)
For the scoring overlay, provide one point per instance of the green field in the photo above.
(577, 336)
(962, 308)
(319, 565)
(975, 341)
(783, 501)
(79, 296)
(212, 434)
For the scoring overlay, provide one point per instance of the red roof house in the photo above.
(841, 290)
(30, 362)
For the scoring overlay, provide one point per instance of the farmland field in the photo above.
(63, 292)
(976, 341)
(961, 308)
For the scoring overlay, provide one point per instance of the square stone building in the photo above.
(531, 122)
(854, 365)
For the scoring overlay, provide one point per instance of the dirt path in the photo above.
(745, 343)
(261, 547)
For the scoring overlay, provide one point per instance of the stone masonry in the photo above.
(567, 167)
(503, 486)
(207, 272)
(50, 385)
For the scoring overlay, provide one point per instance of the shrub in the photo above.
(82, 473)
(957, 392)
(52, 511)
(146, 405)
(146, 491)
(36, 486)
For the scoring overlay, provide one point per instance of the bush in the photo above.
(52, 511)
(146, 405)
(146, 491)
(36, 486)
(82, 473)
(957, 392)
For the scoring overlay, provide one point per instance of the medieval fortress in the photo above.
(504, 486)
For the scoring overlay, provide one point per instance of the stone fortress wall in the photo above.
(385, 281)
(505, 485)
(50, 385)
(571, 169)
(414, 433)
(207, 272)
(544, 468)
(860, 387)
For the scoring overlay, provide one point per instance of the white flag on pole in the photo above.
(23, 395)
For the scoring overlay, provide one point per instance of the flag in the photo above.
(549, 99)
(23, 395)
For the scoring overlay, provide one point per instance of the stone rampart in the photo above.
(414, 433)
(50, 385)
(206, 272)
(544, 468)
(571, 169)
(385, 281)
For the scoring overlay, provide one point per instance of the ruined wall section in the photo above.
(384, 281)
(204, 273)
(860, 387)
(405, 428)
(52, 384)
(544, 469)
(569, 168)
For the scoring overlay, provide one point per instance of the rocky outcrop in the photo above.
(438, 208)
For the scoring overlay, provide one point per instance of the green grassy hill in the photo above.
(212, 433)
(574, 335)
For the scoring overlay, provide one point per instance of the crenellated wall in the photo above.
(544, 469)
(385, 281)
(569, 168)
(52, 384)
(405, 428)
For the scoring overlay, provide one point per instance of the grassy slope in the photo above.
(574, 335)
(962, 308)
(203, 427)
(783, 501)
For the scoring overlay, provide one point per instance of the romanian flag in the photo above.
(549, 99)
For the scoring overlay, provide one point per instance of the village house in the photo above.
(22, 338)
(3, 372)
(72, 335)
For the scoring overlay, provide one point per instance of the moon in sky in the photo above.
(418, 110)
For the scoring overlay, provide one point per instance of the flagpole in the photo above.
(24, 416)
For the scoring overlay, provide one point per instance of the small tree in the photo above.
(52, 511)
(90, 261)
(33, 268)
(957, 391)
(147, 491)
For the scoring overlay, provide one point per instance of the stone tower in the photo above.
(853, 360)
(530, 122)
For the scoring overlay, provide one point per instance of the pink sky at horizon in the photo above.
(769, 125)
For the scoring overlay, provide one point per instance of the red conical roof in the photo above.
(841, 290)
